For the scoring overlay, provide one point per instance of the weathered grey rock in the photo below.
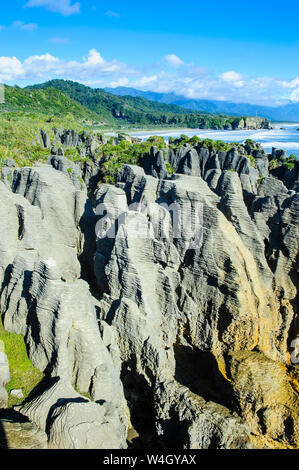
(207, 424)
(33, 225)
(9, 163)
(85, 426)
(233, 207)
(262, 164)
(23, 436)
(155, 164)
(237, 311)
(271, 187)
(139, 188)
(289, 176)
(69, 138)
(212, 177)
(59, 322)
(45, 139)
(58, 318)
(73, 422)
(68, 168)
(39, 410)
(188, 164)
(275, 213)
(254, 123)
(194, 303)
(17, 393)
(171, 158)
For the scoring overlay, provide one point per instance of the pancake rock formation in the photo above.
(162, 309)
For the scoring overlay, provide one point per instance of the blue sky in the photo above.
(229, 50)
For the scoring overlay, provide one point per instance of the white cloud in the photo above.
(92, 83)
(187, 80)
(295, 95)
(95, 58)
(120, 82)
(145, 82)
(173, 60)
(41, 64)
(10, 68)
(291, 84)
(24, 26)
(46, 66)
(231, 76)
(65, 7)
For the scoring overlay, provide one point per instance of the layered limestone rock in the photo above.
(185, 419)
(186, 338)
(21, 436)
(73, 421)
(214, 300)
(201, 160)
(33, 222)
(42, 297)
(273, 408)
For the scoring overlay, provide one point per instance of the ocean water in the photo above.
(286, 138)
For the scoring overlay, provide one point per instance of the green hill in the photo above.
(47, 101)
(99, 109)
(69, 105)
(136, 111)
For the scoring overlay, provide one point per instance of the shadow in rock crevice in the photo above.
(3, 440)
(12, 416)
(40, 388)
(294, 327)
(198, 370)
(87, 225)
(139, 395)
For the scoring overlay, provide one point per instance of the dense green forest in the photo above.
(101, 110)
(49, 101)
(131, 111)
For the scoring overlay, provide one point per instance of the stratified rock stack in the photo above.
(44, 299)
(186, 339)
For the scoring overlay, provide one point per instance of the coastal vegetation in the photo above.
(98, 109)
(20, 141)
(60, 104)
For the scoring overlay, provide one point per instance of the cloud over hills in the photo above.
(170, 74)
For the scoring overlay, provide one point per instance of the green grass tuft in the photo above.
(23, 374)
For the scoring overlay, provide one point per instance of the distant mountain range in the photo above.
(288, 112)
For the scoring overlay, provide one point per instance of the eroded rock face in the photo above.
(74, 422)
(21, 436)
(186, 337)
(33, 221)
(86, 426)
(42, 297)
(188, 421)
(273, 409)
(168, 302)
